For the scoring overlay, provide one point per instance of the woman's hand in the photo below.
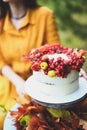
(82, 73)
(20, 87)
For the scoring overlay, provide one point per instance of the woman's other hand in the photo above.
(82, 73)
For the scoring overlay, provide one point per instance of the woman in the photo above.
(23, 26)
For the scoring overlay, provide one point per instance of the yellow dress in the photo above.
(38, 28)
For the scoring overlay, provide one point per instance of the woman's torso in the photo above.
(32, 33)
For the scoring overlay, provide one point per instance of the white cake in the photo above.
(56, 69)
(57, 85)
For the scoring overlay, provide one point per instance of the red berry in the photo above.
(35, 67)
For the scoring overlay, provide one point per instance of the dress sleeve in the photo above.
(51, 34)
(2, 62)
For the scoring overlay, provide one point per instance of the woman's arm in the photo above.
(17, 81)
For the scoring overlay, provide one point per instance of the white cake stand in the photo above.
(67, 101)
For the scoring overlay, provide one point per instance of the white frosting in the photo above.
(57, 85)
(55, 56)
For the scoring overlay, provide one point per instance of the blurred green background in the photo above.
(71, 19)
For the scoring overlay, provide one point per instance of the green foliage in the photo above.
(71, 16)
(24, 120)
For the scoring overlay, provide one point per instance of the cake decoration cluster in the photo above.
(39, 59)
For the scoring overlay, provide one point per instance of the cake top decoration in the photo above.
(55, 59)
